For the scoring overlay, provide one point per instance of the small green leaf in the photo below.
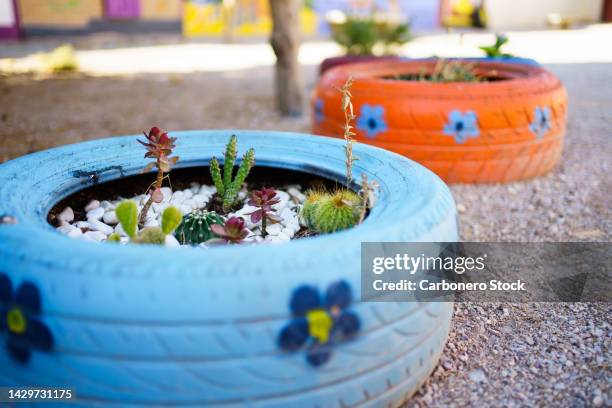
(171, 219)
(114, 237)
(127, 214)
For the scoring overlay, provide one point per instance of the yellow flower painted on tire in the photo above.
(19, 312)
(319, 322)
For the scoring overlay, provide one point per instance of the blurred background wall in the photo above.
(238, 18)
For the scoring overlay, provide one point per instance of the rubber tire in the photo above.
(141, 325)
(416, 113)
(332, 62)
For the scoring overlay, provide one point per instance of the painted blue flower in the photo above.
(541, 121)
(462, 126)
(371, 120)
(318, 110)
(18, 317)
(319, 322)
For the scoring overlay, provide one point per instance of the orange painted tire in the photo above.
(510, 128)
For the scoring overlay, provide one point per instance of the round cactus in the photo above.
(195, 227)
(313, 198)
(336, 211)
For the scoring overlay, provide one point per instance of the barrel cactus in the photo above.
(313, 198)
(329, 212)
(196, 225)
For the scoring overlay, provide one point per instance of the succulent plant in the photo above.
(196, 227)
(313, 197)
(150, 235)
(228, 186)
(232, 231)
(114, 237)
(171, 219)
(494, 50)
(263, 199)
(127, 214)
(332, 212)
(159, 147)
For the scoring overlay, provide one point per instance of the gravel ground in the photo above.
(537, 354)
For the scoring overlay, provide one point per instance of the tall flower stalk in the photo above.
(349, 117)
(159, 147)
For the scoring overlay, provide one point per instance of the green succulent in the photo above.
(114, 237)
(313, 198)
(150, 235)
(227, 185)
(196, 227)
(330, 212)
(370, 36)
(494, 51)
(127, 214)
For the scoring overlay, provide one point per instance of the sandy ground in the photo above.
(498, 354)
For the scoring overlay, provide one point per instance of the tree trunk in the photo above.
(285, 41)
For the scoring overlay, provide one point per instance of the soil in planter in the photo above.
(448, 72)
(288, 183)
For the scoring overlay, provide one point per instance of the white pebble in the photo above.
(195, 187)
(66, 228)
(107, 205)
(81, 224)
(282, 195)
(190, 203)
(143, 199)
(290, 231)
(100, 226)
(207, 190)
(75, 233)
(171, 241)
(96, 236)
(66, 216)
(297, 194)
(151, 223)
(284, 237)
(92, 205)
(160, 208)
(200, 200)
(110, 217)
(274, 229)
(177, 198)
(119, 230)
(167, 191)
(95, 214)
(188, 193)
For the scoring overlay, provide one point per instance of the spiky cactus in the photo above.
(196, 227)
(330, 212)
(313, 198)
(227, 186)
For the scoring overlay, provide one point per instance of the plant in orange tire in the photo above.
(508, 125)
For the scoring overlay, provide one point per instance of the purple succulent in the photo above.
(232, 231)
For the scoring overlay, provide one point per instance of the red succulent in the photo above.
(263, 199)
(159, 146)
(232, 231)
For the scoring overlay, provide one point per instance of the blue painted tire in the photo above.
(139, 325)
